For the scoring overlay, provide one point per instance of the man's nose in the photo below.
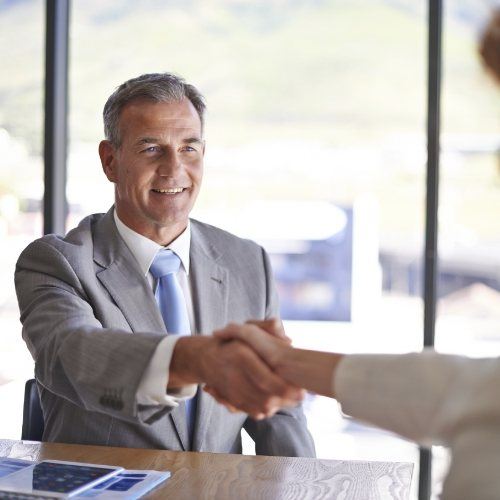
(169, 164)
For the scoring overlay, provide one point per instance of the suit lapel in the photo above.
(122, 278)
(128, 289)
(209, 285)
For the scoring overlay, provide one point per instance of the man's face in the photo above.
(158, 168)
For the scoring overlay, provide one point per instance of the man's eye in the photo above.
(188, 149)
(151, 149)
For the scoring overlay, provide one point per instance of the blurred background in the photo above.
(316, 148)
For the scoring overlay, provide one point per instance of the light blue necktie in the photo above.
(173, 309)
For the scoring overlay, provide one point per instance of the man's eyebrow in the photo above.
(156, 140)
(192, 140)
(148, 140)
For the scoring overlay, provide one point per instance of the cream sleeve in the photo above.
(427, 397)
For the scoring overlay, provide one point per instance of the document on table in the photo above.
(129, 484)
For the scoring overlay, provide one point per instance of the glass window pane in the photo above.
(21, 185)
(469, 285)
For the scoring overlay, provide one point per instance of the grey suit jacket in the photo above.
(91, 323)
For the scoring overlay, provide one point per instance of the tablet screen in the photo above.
(63, 478)
(60, 478)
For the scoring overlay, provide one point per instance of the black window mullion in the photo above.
(56, 116)
(435, 19)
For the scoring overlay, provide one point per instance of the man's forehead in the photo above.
(149, 118)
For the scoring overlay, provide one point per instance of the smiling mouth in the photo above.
(169, 190)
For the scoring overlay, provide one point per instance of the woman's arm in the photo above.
(312, 370)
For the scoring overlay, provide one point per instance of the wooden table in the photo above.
(221, 476)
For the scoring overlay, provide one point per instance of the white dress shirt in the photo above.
(433, 398)
(152, 389)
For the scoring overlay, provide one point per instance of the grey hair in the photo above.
(157, 87)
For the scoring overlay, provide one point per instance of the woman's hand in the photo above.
(267, 338)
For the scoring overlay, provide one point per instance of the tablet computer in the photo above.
(57, 479)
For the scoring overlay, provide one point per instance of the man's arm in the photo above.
(76, 358)
(100, 369)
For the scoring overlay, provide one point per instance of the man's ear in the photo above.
(107, 153)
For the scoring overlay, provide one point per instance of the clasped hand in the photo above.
(246, 357)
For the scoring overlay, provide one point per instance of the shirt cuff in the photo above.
(153, 387)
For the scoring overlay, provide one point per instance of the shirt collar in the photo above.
(144, 250)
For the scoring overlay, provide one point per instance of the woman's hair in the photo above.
(489, 47)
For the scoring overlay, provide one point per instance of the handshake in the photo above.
(252, 367)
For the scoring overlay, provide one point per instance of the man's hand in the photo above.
(235, 375)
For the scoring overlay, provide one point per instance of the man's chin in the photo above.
(179, 221)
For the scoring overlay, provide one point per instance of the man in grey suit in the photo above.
(108, 372)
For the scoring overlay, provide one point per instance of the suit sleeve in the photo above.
(76, 358)
(285, 433)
